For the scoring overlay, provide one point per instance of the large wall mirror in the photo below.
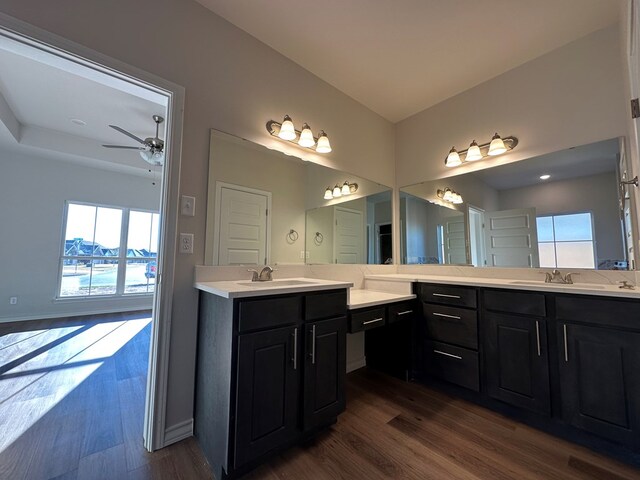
(267, 207)
(566, 209)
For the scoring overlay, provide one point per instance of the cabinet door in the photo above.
(324, 371)
(600, 381)
(517, 361)
(267, 392)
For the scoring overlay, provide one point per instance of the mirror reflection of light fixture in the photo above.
(338, 191)
(546, 176)
(473, 153)
(306, 137)
(286, 131)
(323, 143)
(450, 196)
(497, 146)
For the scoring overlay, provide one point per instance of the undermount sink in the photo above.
(275, 283)
(588, 286)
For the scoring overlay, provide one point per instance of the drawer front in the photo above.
(453, 364)
(448, 295)
(268, 313)
(365, 320)
(401, 311)
(622, 313)
(325, 305)
(458, 326)
(522, 303)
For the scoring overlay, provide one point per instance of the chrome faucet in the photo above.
(556, 277)
(265, 274)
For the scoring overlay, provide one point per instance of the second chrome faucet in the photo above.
(556, 277)
(265, 275)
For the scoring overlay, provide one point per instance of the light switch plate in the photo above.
(186, 243)
(188, 206)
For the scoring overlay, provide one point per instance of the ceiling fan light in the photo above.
(306, 137)
(337, 191)
(346, 189)
(474, 152)
(328, 194)
(323, 143)
(497, 146)
(287, 130)
(453, 159)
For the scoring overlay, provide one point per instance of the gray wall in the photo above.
(596, 194)
(33, 191)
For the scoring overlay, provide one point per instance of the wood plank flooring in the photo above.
(72, 405)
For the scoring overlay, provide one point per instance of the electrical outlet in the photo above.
(307, 252)
(188, 206)
(186, 243)
(13, 300)
(302, 254)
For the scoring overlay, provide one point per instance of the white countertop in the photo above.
(576, 288)
(370, 298)
(244, 288)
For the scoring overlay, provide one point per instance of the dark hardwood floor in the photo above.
(72, 404)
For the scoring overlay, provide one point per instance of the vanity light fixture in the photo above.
(338, 191)
(450, 196)
(497, 146)
(546, 176)
(287, 131)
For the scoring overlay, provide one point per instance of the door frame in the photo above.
(218, 214)
(480, 211)
(377, 259)
(154, 431)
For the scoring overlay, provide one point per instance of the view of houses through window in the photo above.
(108, 251)
(566, 241)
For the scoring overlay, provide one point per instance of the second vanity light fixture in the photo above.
(338, 191)
(497, 146)
(286, 131)
(450, 196)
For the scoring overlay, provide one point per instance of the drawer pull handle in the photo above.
(455, 317)
(457, 357)
(295, 348)
(406, 312)
(566, 350)
(538, 336)
(373, 321)
(445, 295)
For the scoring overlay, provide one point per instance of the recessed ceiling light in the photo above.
(545, 177)
(77, 121)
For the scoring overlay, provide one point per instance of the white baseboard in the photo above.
(178, 432)
(356, 364)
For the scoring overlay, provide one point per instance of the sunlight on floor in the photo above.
(40, 377)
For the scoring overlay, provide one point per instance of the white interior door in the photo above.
(511, 238)
(243, 226)
(348, 244)
(454, 239)
(476, 236)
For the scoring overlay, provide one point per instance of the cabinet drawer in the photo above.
(448, 294)
(458, 326)
(511, 301)
(268, 313)
(401, 311)
(599, 311)
(325, 305)
(366, 319)
(453, 364)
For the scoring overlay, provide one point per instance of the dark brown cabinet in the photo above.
(324, 371)
(267, 392)
(600, 381)
(517, 360)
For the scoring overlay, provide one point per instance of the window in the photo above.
(108, 251)
(566, 241)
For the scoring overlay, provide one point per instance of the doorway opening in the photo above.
(91, 290)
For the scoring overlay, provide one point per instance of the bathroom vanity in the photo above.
(271, 367)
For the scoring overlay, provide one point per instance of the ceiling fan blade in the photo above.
(131, 135)
(124, 147)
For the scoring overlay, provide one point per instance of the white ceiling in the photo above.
(399, 57)
(582, 161)
(40, 95)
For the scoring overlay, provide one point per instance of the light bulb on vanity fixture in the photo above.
(287, 131)
(497, 146)
(449, 196)
(328, 193)
(337, 191)
(345, 189)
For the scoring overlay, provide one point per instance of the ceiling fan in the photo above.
(152, 150)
